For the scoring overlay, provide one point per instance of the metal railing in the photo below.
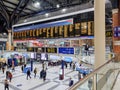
(102, 78)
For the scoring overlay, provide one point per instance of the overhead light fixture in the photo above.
(64, 10)
(25, 20)
(46, 14)
(58, 6)
(36, 4)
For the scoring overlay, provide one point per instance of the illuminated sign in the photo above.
(45, 25)
(63, 31)
(63, 50)
(51, 50)
(117, 32)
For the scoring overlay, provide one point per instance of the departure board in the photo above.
(44, 34)
(51, 50)
(30, 49)
(56, 31)
(71, 30)
(77, 29)
(84, 29)
(40, 33)
(90, 28)
(52, 32)
(60, 31)
(63, 31)
(48, 32)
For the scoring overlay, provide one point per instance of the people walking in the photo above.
(7, 72)
(44, 75)
(28, 74)
(41, 73)
(35, 72)
(3, 69)
(71, 82)
(10, 76)
(6, 84)
(22, 68)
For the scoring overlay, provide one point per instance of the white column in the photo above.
(9, 39)
(99, 32)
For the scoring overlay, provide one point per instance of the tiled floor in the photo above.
(52, 82)
(117, 83)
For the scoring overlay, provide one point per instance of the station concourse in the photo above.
(59, 44)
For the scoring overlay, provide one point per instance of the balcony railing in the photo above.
(103, 78)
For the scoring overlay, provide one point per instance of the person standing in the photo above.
(22, 68)
(35, 72)
(44, 75)
(28, 74)
(3, 69)
(41, 73)
(7, 72)
(6, 84)
(10, 76)
(71, 82)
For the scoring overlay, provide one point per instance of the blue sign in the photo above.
(68, 59)
(117, 32)
(45, 25)
(63, 50)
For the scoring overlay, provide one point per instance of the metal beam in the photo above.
(16, 5)
(51, 4)
(4, 13)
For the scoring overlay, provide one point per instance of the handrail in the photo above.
(88, 76)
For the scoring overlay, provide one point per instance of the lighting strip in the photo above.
(59, 16)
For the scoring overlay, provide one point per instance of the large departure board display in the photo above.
(61, 30)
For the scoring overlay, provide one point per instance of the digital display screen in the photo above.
(44, 56)
(63, 50)
(51, 50)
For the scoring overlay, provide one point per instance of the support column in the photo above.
(99, 32)
(9, 39)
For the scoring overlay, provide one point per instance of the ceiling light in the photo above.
(36, 4)
(64, 10)
(46, 14)
(58, 6)
(25, 20)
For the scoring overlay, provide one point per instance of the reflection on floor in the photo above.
(19, 81)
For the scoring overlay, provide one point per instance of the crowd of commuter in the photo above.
(36, 73)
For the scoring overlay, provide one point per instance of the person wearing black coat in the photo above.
(44, 75)
(28, 74)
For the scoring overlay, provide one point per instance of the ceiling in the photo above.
(12, 11)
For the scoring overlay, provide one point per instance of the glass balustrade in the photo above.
(103, 78)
